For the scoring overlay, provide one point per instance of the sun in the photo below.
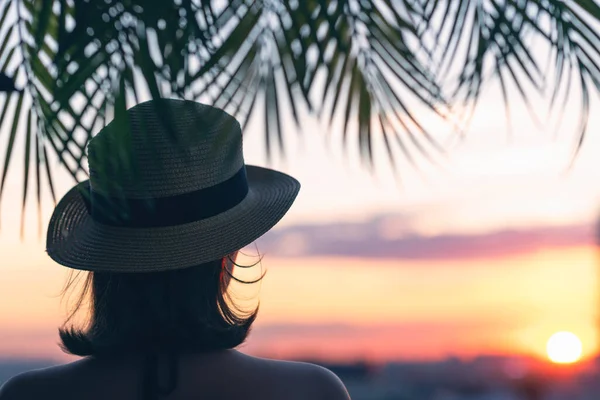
(564, 348)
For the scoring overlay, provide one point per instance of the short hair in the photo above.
(186, 309)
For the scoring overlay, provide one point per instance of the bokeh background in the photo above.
(435, 279)
(394, 280)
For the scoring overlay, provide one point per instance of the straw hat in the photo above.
(188, 201)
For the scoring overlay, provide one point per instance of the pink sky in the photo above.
(349, 308)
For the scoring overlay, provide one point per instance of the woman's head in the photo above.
(186, 309)
(159, 198)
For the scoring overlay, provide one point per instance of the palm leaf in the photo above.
(42, 22)
(352, 89)
(49, 175)
(377, 59)
(364, 123)
(4, 113)
(11, 142)
(38, 181)
(26, 167)
(4, 9)
(7, 38)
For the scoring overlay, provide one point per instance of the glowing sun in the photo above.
(564, 348)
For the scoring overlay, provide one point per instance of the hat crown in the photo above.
(174, 147)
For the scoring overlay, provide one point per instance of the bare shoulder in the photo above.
(328, 384)
(14, 388)
(36, 384)
(26, 385)
(311, 380)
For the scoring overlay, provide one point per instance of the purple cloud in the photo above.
(369, 240)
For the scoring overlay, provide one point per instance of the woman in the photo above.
(158, 226)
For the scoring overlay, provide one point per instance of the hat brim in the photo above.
(75, 240)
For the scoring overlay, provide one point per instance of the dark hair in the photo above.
(179, 311)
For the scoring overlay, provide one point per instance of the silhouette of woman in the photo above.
(158, 226)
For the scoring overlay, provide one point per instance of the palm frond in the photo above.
(26, 167)
(500, 34)
(381, 62)
(11, 142)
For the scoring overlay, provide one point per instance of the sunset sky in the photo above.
(491, 253)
